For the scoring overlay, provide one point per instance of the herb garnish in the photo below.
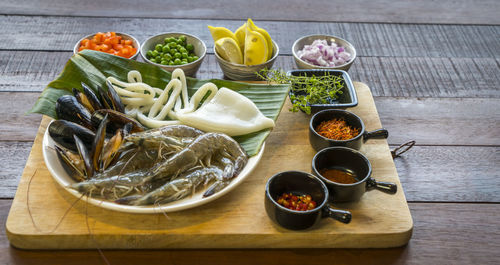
(306, 90)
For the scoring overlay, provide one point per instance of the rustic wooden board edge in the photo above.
(28, 240)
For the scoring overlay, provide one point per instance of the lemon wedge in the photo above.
(229, 50)
(256, 51)
(266, 35)
(221, 32)
(240, 34)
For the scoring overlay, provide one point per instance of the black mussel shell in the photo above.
(82, 99)
(117, 120)
(85, 155)
(115, 98)
(69, 165)
(62, 131)
(68, 108)
(98, 143)
(105, 100)
(91, 97)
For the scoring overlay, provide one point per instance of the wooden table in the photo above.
(433, 67)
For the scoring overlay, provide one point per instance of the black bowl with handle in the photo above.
(300, 183)
(319, 142)
(354, 163)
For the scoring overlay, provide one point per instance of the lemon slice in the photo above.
(221, 32)
(264, 33)
(229, 50)
(255, 48)
(240, 34)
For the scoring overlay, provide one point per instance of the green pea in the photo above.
(155, 53)
(165, 49)
(177, 61)
(158, 47)
(184, 55)
(149, 54)
(167, 56)
(184, 62)
(179, 41)
(182, 38)
(177, 55)
(190, 47)
(195, 58)
(182, 49)
(158, 58)
(190, 59)
(172, 39)
(153, 60)
(164, 62)
(171, 63)
(172, 45)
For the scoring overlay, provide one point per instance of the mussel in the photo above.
(87, 98)
(98, 144)
(115, 98)
(62, 132)
(117, 120)
(68, 108)
(73, 163)
(86, 157)
(110, 99)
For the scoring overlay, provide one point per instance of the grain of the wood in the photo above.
(15, 124)
(469, 226)
(407, 11)
(429, 121)
(370, 39)
(4, 210)
(387, 76)
(13, 156)
(218, 223)
(450, 173)
(439, 121)
(427, 173)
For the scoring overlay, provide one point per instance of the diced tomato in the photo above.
(297, 203)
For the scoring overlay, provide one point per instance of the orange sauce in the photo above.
(338, 176)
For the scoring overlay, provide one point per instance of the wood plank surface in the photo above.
(471, 227)
(370, 39)
(429, 121)
(379, 219)
(405, 57)
(28, 71)
(406, 11)
(471, 172)
(13, 156)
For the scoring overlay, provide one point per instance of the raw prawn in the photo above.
(176, 189)
(201, 151)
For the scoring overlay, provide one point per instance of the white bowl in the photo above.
(307, 40)
(124, 36)
(190, 69)
(245, 72)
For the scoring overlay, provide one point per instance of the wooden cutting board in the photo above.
(236, 220)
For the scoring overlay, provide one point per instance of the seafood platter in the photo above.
(197, 161)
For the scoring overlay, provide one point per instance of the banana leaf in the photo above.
(93, 68)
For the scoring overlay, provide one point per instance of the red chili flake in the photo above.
(337, 129)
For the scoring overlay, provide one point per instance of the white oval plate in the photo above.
(61, 176)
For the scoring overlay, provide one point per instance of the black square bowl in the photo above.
(347, 99)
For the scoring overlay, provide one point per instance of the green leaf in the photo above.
(93, 67)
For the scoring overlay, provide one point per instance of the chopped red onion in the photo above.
(321, 54)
